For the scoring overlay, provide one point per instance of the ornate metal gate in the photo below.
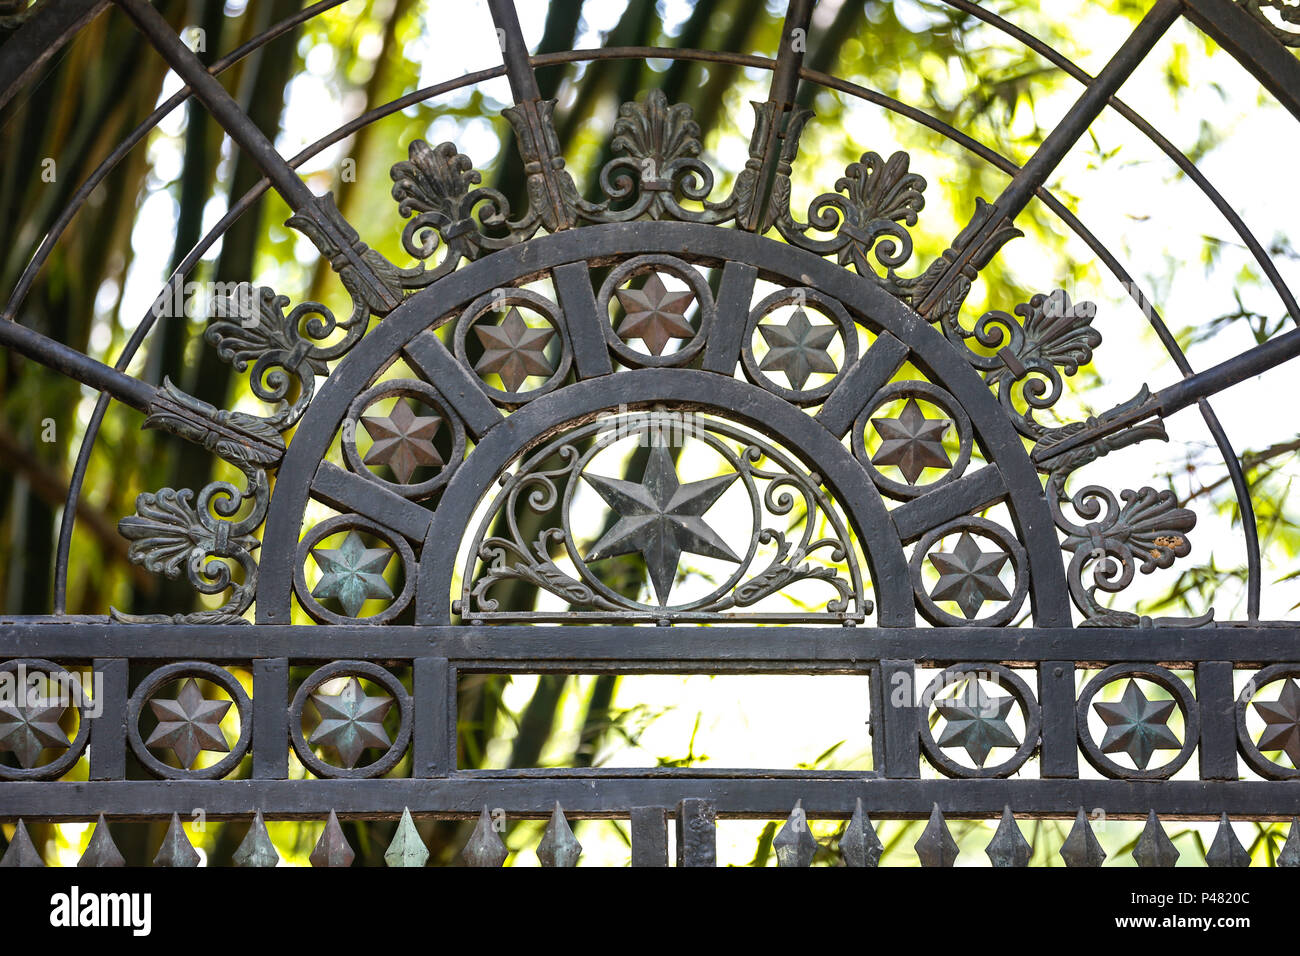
(893, 499)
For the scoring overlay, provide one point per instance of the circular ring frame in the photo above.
(500, 299)
(172, 672)
(1161, 677)
(423, 392)
(639, 266)
(353, 522)
(65, 761)
(1010, 681)
(934, 395)
(370, 671)
(828, 307)
(1245, 745)
(988, 529)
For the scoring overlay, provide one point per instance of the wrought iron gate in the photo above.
(887, 461)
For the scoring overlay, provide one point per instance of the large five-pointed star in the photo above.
(402, 440)
(798, 348)
(660, 518)
(350, 722)
(1137, 726)
(513, 350)
(976, 721)
(28, 726)
(353, 573)
(912, 442)
(654, 315)
(1283, 719)
(969, 576)
(189, 724)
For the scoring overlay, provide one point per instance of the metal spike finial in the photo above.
(176, 849)
(1009, 848)
(22, 851)
(332, 848)
(1081, 847)
(407, 848)
(256, 848)
(795, 845)
(1226, 850)
(936, 847)
(559, 847)
(1154, 848)
(485, 847)
(101, 851)
(859, 844)
(1290, 855)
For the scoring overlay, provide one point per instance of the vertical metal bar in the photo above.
(514, 53)
(108, 730)
(1059, 754)
(582, 320)
(271, 718)
(429, 739)
(722, 350)
(900, 717)
(1218, 744)
(697, 833)
(649, 836)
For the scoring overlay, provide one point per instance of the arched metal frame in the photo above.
(916, 320)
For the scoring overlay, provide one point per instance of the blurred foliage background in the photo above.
(171, 189)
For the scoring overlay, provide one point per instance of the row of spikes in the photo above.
(794, 844)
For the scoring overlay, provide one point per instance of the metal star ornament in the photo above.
(29, 726)
(1137, 726)
(350, 722)
(660, 518)
(969, 576)
(1282, 717)
(977, 722)
(798, 348)
(912, 442)
(513, 350)
(403, 440)
(189, 724)
(655, 315)
(353, 573)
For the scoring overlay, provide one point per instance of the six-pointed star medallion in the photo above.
(189, 724)
(513, 350)
(402, 440)
(976, 721)
(1137, 726)
(353, 573)
(654, 315)
(1282, 717)
(350, 722)
(798, 348)
(969, 576)
(28, 726)
(912, 442)
(660, 517)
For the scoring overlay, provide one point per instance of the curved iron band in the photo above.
(931, 352)
(737, 401)
(245, 202)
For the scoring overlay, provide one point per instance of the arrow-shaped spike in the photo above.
(485, 847)
(1081, 847)
(1290, 855)
(257, 848)
(1008, 848)
(101, 851)
(176, 849)
(22, 851)
(407, 849)
(795, 845)
(559, 847)
(332, 848)
(936, 847)
(859, 844)
(1154, 848)
(1226, 850)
